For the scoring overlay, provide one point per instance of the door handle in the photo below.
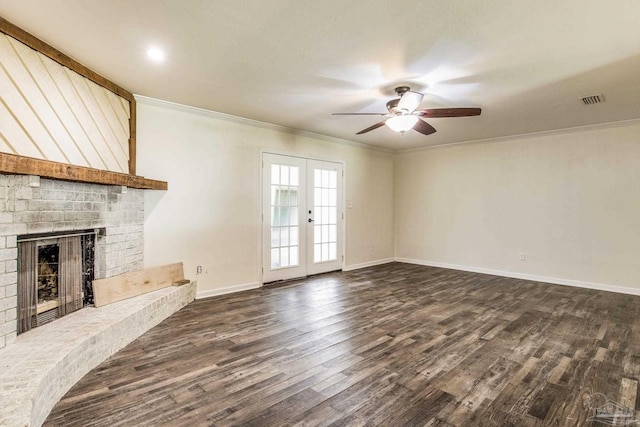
(309, 220)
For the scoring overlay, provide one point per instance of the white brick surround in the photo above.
(43, 364)
(29, 204)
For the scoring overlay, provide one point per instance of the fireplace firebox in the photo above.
(55, 276)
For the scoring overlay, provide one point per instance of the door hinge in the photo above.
(342, 258)
(342, 215)
(343, 173)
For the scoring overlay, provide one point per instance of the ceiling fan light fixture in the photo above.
(409, 101)
(402, 123)
(404, 115)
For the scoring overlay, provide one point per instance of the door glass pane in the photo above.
(325, 197)
(284, 196)
(275, 174)
(284, 236)
(333, 177)
(293, 215)
(332, 216)
(275, 237)
(284, 216)
(325, 215)
(284, 175)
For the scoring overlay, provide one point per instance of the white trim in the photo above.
(598, 126)
(228, 290)
(524, 276)
(281, 152)
(260, 228)
(255, 123)
(367, 264)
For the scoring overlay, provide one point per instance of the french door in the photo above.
(302, 217)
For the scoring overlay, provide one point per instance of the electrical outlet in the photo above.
(522, 256)
(199, 269)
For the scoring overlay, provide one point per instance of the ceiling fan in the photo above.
(404, 115)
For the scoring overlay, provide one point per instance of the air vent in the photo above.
(593, 99)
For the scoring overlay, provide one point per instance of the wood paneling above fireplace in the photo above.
(61, 120)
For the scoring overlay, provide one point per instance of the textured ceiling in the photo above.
(294, 62)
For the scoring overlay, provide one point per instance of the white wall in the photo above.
(209, 215)
(570, 200)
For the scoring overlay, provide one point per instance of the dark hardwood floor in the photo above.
(393, 345)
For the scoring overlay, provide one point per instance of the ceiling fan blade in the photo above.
(410, 101)
(370, 128)
(360, 114)
(424, 127)
(449, 112)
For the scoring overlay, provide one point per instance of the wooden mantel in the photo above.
(23, 165)
(19, 165)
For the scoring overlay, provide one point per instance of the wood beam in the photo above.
(132, 136)
(128, 285)
(20, 165)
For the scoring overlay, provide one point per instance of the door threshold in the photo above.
(283, 281)
(296, 279)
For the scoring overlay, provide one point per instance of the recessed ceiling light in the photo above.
(155, 54)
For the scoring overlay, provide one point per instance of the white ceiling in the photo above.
(294, 62)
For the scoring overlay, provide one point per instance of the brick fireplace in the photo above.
(30, 205)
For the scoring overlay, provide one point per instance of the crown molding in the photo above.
(563, 131)
(255, 123)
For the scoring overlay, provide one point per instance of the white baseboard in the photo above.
(367, 264)
(524, 276)
(227, 290)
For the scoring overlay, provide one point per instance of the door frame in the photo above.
(261, 204)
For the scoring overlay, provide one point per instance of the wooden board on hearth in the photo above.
(128, 285)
